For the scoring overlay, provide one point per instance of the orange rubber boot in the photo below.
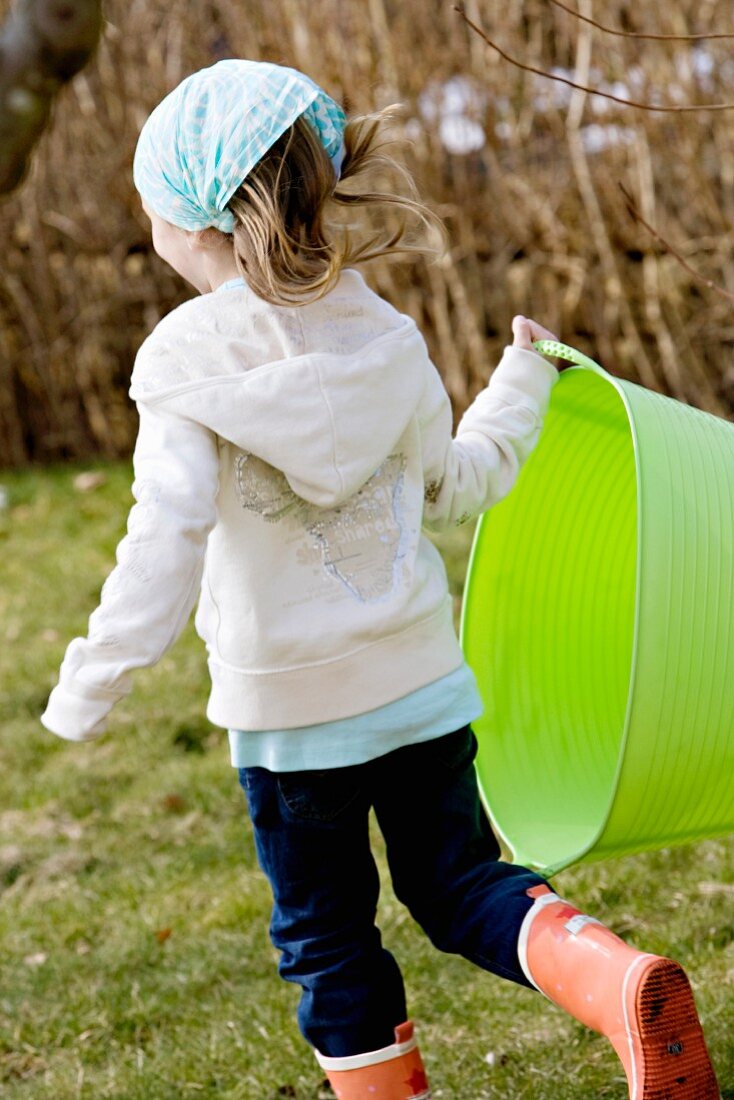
(392, 1073)
(642, 1003)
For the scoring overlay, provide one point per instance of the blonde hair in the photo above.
(287, 246)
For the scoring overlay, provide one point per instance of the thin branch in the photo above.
(639, 34)
(582, 87)
(43, 44)
(637, 217)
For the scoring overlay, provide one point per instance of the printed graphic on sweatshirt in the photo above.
(359, 542)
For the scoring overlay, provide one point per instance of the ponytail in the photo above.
(287, 246)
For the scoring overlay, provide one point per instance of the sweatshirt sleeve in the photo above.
(466, 475)
(147, 599)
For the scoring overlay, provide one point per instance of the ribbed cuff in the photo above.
(523, 378)
(76, 717)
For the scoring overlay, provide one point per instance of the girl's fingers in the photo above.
(539, 333)
(525, 331)
(522, 332)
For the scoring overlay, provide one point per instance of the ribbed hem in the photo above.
(374, 675)
(445, 705)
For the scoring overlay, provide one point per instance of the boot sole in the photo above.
(671, 1058)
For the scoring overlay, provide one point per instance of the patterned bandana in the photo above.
(202, 140)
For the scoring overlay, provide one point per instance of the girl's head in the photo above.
(239, 169)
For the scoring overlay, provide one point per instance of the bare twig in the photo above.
(583, 88)
(637, 216)
(651, 282)
(639, 34)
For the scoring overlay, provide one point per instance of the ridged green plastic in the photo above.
(599, 620)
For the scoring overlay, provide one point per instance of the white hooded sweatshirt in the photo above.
(287, 460)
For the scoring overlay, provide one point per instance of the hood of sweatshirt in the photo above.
(326, 413)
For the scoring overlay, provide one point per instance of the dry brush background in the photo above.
(523, 170)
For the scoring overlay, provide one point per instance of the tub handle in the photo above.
(563, 351)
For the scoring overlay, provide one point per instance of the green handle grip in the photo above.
(563, 351)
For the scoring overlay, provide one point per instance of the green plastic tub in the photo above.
(599, 620)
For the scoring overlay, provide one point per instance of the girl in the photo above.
(293, 427)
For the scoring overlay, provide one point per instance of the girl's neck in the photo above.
(217, 267)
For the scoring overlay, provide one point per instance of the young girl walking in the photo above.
(294, 441)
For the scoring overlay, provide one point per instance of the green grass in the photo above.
(134, 958)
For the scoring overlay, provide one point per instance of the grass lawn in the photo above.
(134, 956)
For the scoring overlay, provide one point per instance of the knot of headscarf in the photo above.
(201, 141)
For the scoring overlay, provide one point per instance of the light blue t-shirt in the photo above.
(431, 711)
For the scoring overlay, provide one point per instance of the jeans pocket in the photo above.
(319, 795)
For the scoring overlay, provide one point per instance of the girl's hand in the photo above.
(525, 331)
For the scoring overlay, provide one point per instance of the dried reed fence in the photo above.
(536, 219)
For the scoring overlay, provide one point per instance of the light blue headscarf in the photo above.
(201, 141)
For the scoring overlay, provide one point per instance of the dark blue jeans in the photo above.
(311, 833)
